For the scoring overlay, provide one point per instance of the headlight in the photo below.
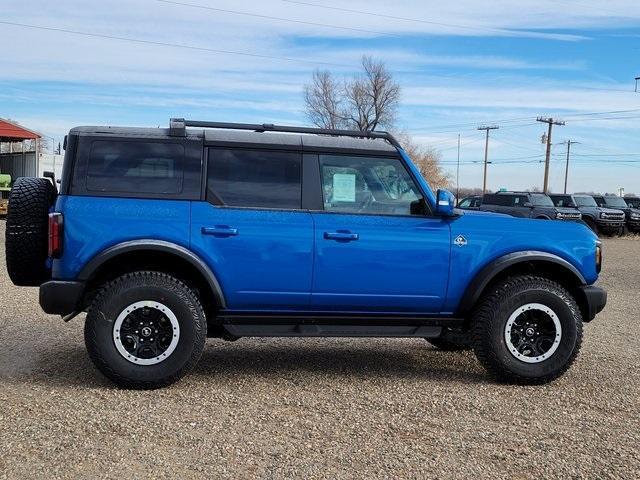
(603, 215)
(635, 216)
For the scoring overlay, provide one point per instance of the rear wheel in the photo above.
(527, 330)
(145, 330)
(27, 230)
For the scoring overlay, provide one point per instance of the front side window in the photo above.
(254, 178)
(466, 203)
(353, 184)
(135, 167)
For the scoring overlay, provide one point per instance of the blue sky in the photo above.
(460, 64)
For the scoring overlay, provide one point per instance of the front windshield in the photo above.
(585, 202)
(615, 202)
(541, 201)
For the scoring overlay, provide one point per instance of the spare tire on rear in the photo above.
(27, 230)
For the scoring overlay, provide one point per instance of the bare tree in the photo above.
(323, 101)
(365, 102)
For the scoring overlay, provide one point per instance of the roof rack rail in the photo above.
(177, 128)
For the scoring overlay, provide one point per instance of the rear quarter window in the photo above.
(135, 167)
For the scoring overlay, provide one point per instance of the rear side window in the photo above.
(135, 167)
(500, 200)
(254, 178)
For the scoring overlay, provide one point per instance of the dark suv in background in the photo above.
(471, 203)
(600, 219)
(527, 205)
(632, 215)
(633, 202)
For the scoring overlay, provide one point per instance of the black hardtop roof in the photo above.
(515, 192)
(270, 136)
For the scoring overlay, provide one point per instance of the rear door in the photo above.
(372, 254)
(252, 231)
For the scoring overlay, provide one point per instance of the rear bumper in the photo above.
(595, 301)
(59, 297)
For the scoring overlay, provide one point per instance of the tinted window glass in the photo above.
(615, 202)
(500, 200)
(585, 201)
(562, 200)
(254, 178)
(135, 167)
(367, 185)
(541, 200)
(465, 203)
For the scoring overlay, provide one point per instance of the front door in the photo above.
(371, 253)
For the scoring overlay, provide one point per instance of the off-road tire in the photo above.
(27, 230)
(491, 316)
(117, 296)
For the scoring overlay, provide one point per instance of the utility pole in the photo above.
(458, 173)
(566, 170)
(637, 78)
(486, 154)
(551, 122)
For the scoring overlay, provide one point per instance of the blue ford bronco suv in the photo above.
(168, 236)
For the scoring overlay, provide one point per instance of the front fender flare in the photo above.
(494, 268)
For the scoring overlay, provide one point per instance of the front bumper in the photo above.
(633, 225)
(610, 225)
(59, 297)
(595, 299)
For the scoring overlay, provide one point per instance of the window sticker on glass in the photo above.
(344, 187)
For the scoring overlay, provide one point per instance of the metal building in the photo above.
(19, 149)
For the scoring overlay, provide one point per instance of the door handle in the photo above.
(341, 236)
(220, 231)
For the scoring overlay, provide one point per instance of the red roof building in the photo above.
(10, 132)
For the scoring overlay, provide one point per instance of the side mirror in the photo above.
(445, 203)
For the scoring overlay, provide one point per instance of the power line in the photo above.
(503, 31)
(269, 17)
(167, 44)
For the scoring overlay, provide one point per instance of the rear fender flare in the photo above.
(160, 246)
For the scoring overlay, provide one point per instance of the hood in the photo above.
(608, 210)
(567, 210)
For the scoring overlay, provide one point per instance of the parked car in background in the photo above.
(600, 219)
(633, 202)
(632, 215)
(470, 203)
(527, 205)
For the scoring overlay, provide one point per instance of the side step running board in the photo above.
(316, 330)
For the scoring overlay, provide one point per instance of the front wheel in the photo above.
(527, 330)
(145, 330)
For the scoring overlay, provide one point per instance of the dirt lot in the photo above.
(308, 408)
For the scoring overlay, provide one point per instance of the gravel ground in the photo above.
(309, 408)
